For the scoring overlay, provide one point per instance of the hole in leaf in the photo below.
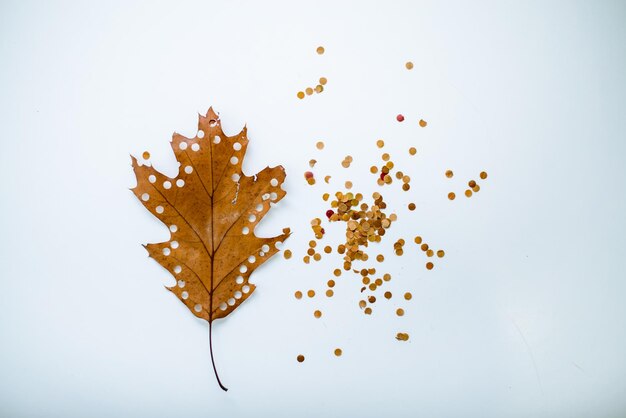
(234, 160)
(239, 280)
(178, 269)
(223, 306)
(167, 184)
(243, 269)
(184, 295)
(181, 283)
(265, 248)
(166, 251)
(195, 147)
(145, 197)
(245, 230)
(182, 145)
(259, 207)
(200, 134)
(174, 244)
(217, 139)
(197, 307)
(159, 209)
(235, 177)
(151, 178)
(251, 218)
(231, 301)
(238, 294)
(251, 259)
(245, 288)
(173, 228)
(274, 182)
(236, 146)
(189, 169)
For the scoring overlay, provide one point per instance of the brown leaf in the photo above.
(211, 209)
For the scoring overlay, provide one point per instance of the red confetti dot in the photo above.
(322, 231)
(308, 175)
(382, 176)
(329, 213)
(399, 118)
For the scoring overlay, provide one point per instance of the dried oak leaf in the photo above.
(211, 209)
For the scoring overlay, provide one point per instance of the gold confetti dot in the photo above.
(331, 283)
(468, 193)
(440, 253)
(146, 155)
(451, 195)
(449, 174)
(385, 157)
(409, 65)
(348, 184)
(418, 240)
(483, 175)
(338, 352)
(476, 188)
(388, 295)
(373, 169)
(406, 187)
(311, 293)
(412, 151)
(287, 254)
(326, 179)
(380, 143)
(300, 358)
(337, 272)
(368, 311)
(320, 50)
(300, 95)
(429, 265)
(424, 247)
(408, 296)
(323, 81)
(319, 145)
(380, 258)
(400, 312)
(411, 206)
(298, 294)
(471, 183)
(387, 277)
(423, 123)
(330, 293)
(306, 259)
(402, 336)
(319, 88)
(430, 253)
(317, 314)
(328, 249)
(362, 304)
(309, 91)
(317, 256)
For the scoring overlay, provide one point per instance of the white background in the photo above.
(525, 316)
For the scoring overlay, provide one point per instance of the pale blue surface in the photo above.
(525, 317)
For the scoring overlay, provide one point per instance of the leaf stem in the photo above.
(224, 388)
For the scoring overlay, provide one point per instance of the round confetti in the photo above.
(468, 193)
(309, 91)
(320, 50)
(423, 123)
(380, 143)
(300, 358)
(146, 155)
(412, 151)
(300, 95)
(298, 294)
(399, 118)
(483, 175)
(440, 253)
(317, 314)
(409, 65)
(319, 145)
(400, 312)
(310, 293)
(429, 265)
(408, 296)
(449, 174)
(451, 195)
(287, 254)
(411, 206)
(338, 352)
(323, 81)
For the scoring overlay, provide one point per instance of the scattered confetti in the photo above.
(409, 65)
(320, 50)
(399, 118)
(423, 123)
(300, 358)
